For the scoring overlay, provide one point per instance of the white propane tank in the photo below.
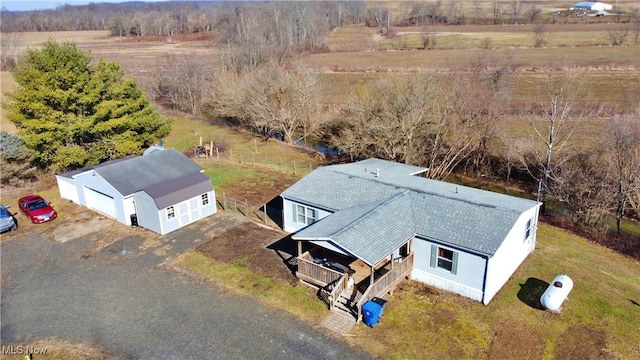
(556, 293)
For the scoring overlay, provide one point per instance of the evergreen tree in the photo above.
(73, 113)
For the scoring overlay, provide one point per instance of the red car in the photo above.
(37, 209)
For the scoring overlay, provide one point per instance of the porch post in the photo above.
(371, 278)
(299, 248)
(392, 261)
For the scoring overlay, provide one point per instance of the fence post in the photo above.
(211, 148)
(217, 154)
(309, 168)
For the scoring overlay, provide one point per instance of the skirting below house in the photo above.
(447, 285)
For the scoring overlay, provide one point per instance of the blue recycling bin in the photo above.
(372, 311)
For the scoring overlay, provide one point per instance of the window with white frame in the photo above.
(444, 258)
(527, 232)
(306, 215)
(171, 212)
(205, 199)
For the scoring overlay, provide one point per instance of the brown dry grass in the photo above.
(55, 349)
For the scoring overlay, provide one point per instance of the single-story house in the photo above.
(592, 6)
(398, 223)
(162, 190)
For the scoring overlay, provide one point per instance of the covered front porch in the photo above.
(348, 282)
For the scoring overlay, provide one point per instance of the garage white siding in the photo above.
(100, 202)
(68, 189)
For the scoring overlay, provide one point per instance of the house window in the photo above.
(444, 259)
(306, 215)
(527, 232)
(205, 199)
(171, 212)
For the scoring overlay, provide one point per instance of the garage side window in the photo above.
(444, 259)
(205, 199)
(527, 232)
(171, 212)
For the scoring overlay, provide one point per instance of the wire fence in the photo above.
(259, 213)
(256, 158)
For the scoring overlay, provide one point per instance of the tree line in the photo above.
(453, 123)
(174, 17)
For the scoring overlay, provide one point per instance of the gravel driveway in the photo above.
(122, 299)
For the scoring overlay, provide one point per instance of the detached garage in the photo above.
(162, 190)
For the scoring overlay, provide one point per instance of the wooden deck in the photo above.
(333, 283)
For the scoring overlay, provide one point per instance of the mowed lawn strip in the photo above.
(294, 298)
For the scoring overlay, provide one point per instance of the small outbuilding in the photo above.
(162, 190)
(592, 6)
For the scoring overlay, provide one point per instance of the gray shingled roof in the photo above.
(72, 173)
(460, 216)
(174, 191)
(142, 172)
(357, 229)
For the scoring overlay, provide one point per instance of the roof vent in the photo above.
(378, 172)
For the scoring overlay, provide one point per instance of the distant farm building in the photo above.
(592, 6)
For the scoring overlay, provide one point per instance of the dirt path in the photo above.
(117, 296)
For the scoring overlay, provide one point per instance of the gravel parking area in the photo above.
(110, 289)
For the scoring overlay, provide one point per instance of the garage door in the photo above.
(100, 202)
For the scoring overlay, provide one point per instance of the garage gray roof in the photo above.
(174, 191)
(460, 216)
(142, 172)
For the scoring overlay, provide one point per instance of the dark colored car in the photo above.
(37, 209)
(7, 222)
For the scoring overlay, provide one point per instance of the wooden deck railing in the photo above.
(386, 282)
(315, 273)
(331, 292)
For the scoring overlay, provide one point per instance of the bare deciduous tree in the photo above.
(516, 11)
(539, 35)
(618, 37)
(581, 185)
(412, 119)
(272, 101)
(534, 13)
(388, 119)
(10, 49)
(624, 157)
(552, 131)
(182, 82)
